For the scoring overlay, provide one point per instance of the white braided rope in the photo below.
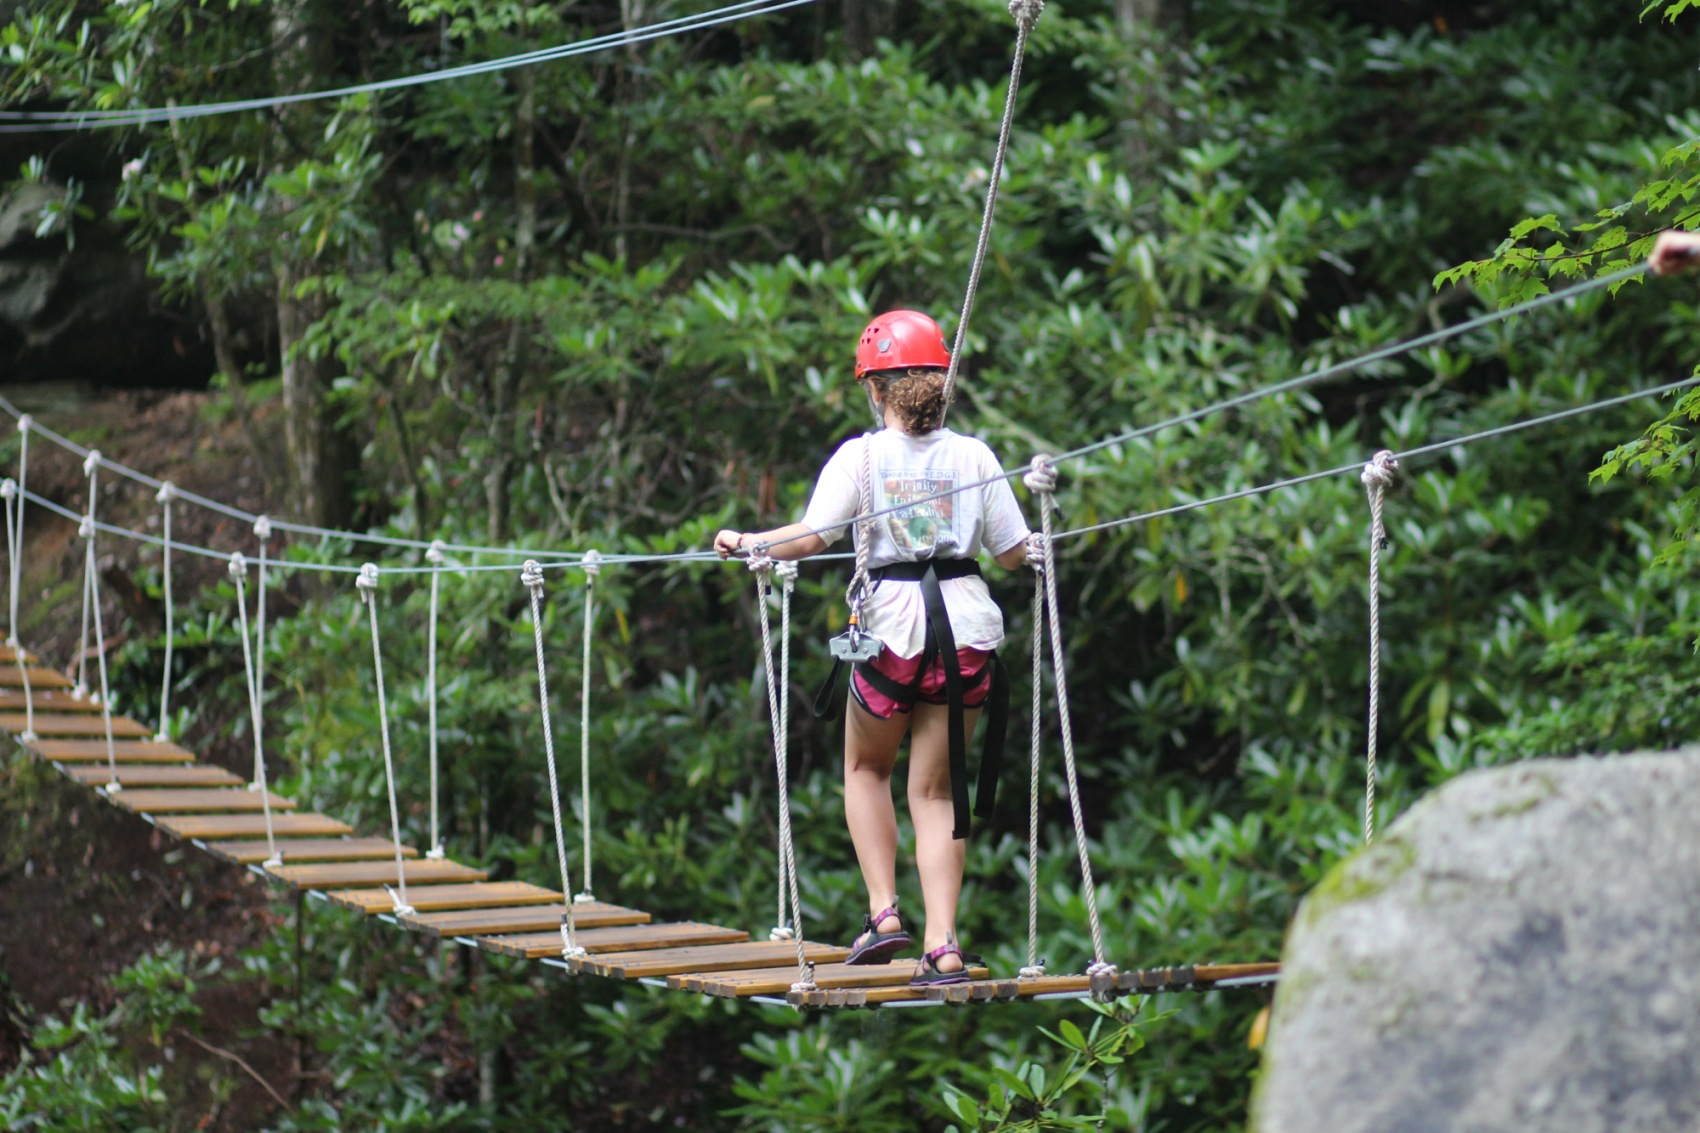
(367, 583)
(263, 531)
(14, 552)
(16, 564)
(91, 466)
(1100, 969)
(1026, 14)
(166, 494)
(17, 577)
(239, 573)
(434, 556)
(778, 712)
(857, 591)
(1377, 477)
(591, 564)
(531, 574)
(1034, 966)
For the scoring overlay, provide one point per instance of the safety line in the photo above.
(25, 121)
(1410, 454)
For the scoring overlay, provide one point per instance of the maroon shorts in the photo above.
(900, 671)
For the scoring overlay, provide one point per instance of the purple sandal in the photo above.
(929, 974)
(874, 946)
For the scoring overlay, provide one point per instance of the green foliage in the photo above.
(640, 334)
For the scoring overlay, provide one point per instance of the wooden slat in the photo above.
(45, 699)
(857, 996)
(217, 801)
(311, 850)
(1213, 973)
(207, 826)
(778, 981)
(539, 918)
(149, 775)
(124, 751)
(67, 724)
(10, 653)
(373, 874)
(438, 898)
(39, 678)
(630, 938)
(986, 990)
(718, 958)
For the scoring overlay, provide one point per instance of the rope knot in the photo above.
(434, 553)
(238, 565)
(167, 492)
(1378, 474)
(85, 528)
(24, 423)
(786, 569)
(367, 581)
(531, 574)
(1103, 975)
(1032, 971)
(591, 563)
(1041, 476)
(91, 462)
(263, 527)
(9, 489)
(1026, 12)
(759, 561)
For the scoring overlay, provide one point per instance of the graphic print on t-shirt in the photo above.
(921, 527)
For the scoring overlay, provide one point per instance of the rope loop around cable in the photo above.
(262, 526)
(25, 423)
(591, 564)
(367, 581)
(167, 493)
(91, 462)
(435, 553)
(8, 489)
(85, 527)
(238, 565)
(531, 575)
(1026, 12)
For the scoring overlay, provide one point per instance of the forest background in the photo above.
(611, 302)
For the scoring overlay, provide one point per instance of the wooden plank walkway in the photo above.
(373, 874)
(45, 700)
(537, 918)
(75, 724)
(154, 775)
(214, 808)
(39, 678)
(627, 938)
(123, 751)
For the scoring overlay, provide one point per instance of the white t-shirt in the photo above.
(910, 468)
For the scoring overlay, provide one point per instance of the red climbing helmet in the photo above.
(898, 340)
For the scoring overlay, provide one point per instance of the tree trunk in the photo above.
(510, 371)
(322, 454)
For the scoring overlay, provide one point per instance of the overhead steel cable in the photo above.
(27, 121)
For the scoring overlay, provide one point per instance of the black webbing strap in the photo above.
(941, 642)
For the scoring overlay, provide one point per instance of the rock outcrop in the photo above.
(1520, 952)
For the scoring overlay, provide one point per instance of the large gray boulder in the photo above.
(1520, 952)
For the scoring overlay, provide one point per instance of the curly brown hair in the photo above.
(917, 395)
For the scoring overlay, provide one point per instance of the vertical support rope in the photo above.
(1377, 477)
(167, 493)
(1101, 970)
(1035, 967)
(239, 574)
(434, 556)
(367, 582)
(263, 532)
(1026, 14)
(591, 564)
(91, 466)
(14, 525)
(531, 574)
(16, 565)
(763, 568)
(91, 602)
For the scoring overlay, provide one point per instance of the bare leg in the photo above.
(939, 856)
(870, 753)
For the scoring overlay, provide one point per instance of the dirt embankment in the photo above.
(86, 889)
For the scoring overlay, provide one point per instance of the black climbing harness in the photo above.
(940, 644)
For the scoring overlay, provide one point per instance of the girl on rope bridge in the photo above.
(934, 620)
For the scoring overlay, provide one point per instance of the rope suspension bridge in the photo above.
(70, 723)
